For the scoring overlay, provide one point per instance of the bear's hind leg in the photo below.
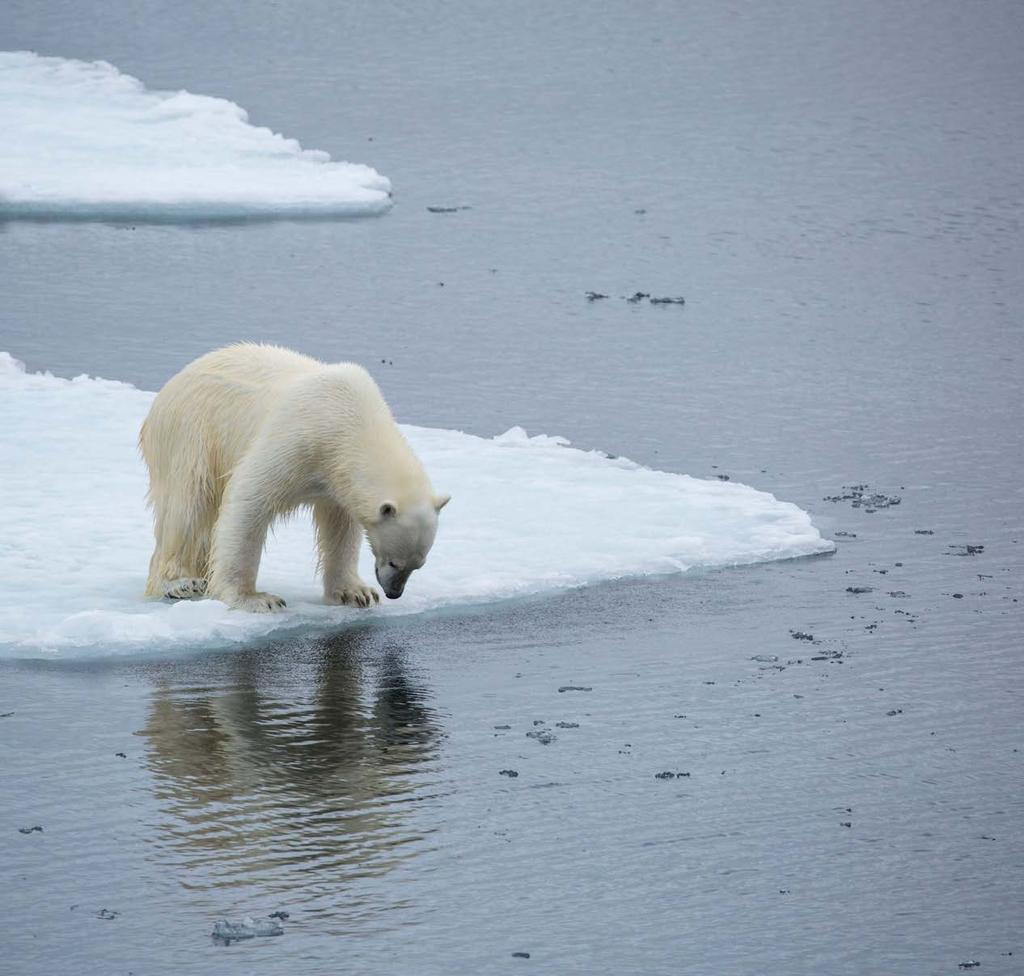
(183, 528)
(338, 536)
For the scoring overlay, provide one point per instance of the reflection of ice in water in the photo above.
(293, 795)
(82, 140)
(528, 515)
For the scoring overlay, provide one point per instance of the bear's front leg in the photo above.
(338, 536)
(238, 540)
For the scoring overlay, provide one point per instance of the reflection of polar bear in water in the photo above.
(249, 432)
(291, 764)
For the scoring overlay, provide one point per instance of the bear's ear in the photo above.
(388, 510)
(440, 501)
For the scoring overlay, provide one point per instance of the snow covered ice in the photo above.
(82, 140)
(528, 515)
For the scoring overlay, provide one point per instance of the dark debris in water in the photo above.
(544, 736)
(668, 774)
(845, 535)
(447, 210)
(828, 656)
(801, 635)
(510, 773)
(283, 916)
(969, 964)
(520, 955)
(964, 550)
(859, 589)
(861, 496)
(638, 296)
(573, 688)
(30, 830)
(567, 725)
(107, 913)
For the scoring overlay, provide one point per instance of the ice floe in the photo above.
(528, 515)
(81, 140)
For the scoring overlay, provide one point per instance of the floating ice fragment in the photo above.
(248, 928)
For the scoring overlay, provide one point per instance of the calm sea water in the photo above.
(837, 193)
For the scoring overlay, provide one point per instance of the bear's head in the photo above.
(400, 539)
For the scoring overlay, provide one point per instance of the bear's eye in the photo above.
(392, 565)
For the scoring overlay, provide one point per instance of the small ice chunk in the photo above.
(248, 928)
(517, 437)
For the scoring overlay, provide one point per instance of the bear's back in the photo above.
(215, 406)
(252, 366)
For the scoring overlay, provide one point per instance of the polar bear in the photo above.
(251, 432)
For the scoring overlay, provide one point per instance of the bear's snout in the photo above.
(393, 584)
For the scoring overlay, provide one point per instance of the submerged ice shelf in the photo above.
(81, 140)
(528, 515)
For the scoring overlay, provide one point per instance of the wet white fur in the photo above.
(250, 432)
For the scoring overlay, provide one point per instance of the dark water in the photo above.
(837, 193)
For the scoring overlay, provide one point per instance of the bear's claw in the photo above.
(259, 603)
(355, 595)
(186, 588)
